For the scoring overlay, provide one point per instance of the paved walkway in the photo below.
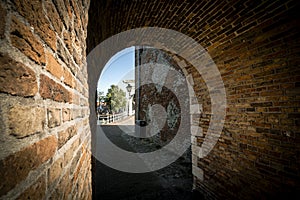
(172, 182)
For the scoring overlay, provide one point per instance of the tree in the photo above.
(116, 98)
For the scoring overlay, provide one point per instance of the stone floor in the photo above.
(172, 182)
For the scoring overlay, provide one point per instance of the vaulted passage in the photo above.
(48, 82)
(254, 45)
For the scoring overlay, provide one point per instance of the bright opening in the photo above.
(116, 89)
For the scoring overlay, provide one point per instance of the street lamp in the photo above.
(129, 88)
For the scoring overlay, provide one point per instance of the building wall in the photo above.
(165, 121)
(255, 45)
(45, 134)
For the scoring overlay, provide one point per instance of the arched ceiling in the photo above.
(209, 22)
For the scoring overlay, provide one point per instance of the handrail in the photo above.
(110, 118)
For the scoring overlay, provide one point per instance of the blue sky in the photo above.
(120, 67)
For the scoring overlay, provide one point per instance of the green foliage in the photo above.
(116, 98)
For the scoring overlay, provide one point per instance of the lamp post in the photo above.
(129, 88)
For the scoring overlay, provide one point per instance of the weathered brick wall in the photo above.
(159, 92)
(259, 146)
(45, 136)
(255, 45)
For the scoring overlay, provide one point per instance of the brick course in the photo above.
(16, 78)
(36, 191)
(49, 89)
(23, 39)
(40, 75)
(33, 12)
(16, 167)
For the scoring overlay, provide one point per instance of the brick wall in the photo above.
(148, 61)
(45, 136)
(255, 45)
(44, 92)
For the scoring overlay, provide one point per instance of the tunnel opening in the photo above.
(116, 88)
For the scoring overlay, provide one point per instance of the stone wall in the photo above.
(45, 134)
(255, 45)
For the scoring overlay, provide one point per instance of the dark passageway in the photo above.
(255, 48)
(172, 182)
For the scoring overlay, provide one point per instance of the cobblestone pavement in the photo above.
(171, 182)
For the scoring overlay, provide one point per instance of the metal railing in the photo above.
(110, 118)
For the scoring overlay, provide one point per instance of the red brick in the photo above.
(68, 78)
(66, 185)
(61, 8)
(54, 117)
(65, 135)
(26, 120)
(75, 162)
(16, 78)
(49, 89)
(53, 66)
(22, 38)
(63, 188)
(36, 191)
(75, 100)
(66, 116)
(55, 171)
(79, 167)
(70, 152)
(263, 104)
(59, 71)
(53, 16)
(15, 168)
(33, 11)
(68, 40)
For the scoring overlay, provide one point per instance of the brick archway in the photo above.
(44, 91)
(248, 49)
